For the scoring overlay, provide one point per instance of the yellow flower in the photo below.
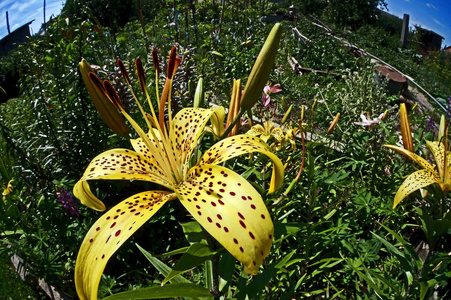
(281, 136)
(8, 189)
(427, 175)
(222, 201)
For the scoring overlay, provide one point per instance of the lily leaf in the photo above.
(162, 292)
(197, 254)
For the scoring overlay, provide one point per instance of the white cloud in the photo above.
(431, 6)
(438, 22)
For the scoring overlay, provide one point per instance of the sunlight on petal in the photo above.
(108, 233)
(413, 182)
(231, 210)
(243, 144)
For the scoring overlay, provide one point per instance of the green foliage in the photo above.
(336, 235)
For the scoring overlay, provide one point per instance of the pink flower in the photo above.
(267, 91)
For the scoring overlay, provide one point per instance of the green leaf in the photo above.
(197, 254)
(161, 267)
(260, 281)
(394, 251)
(216, 53)
(161, 292)
(226, 270)
(367, 279)
(193, 232)
(407, 246)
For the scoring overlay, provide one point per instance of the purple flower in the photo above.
(68, 202)
(431, 123)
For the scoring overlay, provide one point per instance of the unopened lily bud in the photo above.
(287, 114)
(261, 69)
(199, 95)
(109, 113)
(406, 133)
(441, 130)
(333, 124)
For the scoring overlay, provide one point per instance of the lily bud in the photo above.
(405, 128)
(287, 114)
(234, 106)
(441, 129)
(333, 124)
(109, 113)
(261, 69)
(199, 94)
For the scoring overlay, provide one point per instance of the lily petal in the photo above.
(188, 125)
(256, 130)
(117, 164)
(415, 181)
(243, 144)
(108, 233)
(83, 192)
(231, 210)
(438, 151)
(416, 158)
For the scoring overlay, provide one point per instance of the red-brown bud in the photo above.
(123, 71)
(172, 63)
(141, 76)
(156, 62)
(111, 92)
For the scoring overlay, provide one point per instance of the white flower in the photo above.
(370, 123)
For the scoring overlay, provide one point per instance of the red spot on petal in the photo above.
(112, 225)
(263, 216)
(251, 235)
(235, 241)
(117, 232)
(242, 224)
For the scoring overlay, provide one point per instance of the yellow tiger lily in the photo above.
(222, 201)
(428, 174)
(281, 136)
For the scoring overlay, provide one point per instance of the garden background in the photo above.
(336, 232)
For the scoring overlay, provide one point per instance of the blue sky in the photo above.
(23, 11)
(434, 15)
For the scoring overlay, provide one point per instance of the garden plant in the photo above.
(223, 172)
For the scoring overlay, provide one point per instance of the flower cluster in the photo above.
(68, 202)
